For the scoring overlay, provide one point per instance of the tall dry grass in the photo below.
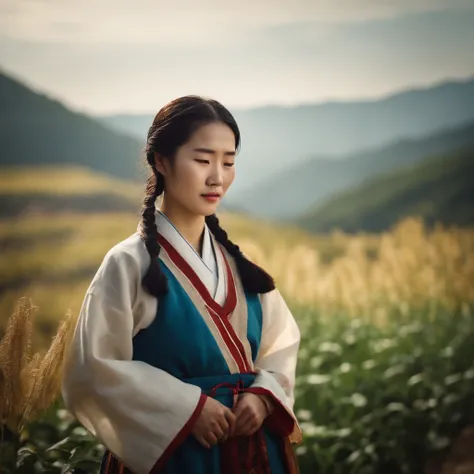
(30, 382)
(365, 275)
(403, 269)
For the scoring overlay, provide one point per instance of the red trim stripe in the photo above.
(229, 339)
(180, 437)
(237, 342)
(218, 313)
(184, 266)
(107, 465)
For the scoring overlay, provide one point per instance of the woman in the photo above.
(184, 355)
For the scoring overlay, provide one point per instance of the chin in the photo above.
(205, 210)
(209, 211)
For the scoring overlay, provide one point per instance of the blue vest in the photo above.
(180, 342)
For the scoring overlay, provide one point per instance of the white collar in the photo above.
(210, 268)
(168, 230)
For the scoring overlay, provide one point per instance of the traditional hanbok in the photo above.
(140, 368)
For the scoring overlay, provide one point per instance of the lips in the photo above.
(212, 197)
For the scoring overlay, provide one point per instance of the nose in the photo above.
(215, 176)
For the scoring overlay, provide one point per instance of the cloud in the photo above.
(186, 21)
(243, 62)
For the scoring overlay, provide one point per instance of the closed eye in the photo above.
(229, 164)
(202, 161)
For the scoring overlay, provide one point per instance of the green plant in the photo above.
(384, 399)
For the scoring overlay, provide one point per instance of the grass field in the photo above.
(63, 181)
(52, 258)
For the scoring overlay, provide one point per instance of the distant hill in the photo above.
(276, 138)
(35, 129)
(47, 189)
(438, 190)
(307, 184)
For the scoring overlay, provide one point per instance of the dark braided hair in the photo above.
(154, 280)
(172, 127)
(254, 278)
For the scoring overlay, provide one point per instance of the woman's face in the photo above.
(202, 166)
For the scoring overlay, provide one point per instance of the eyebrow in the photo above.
(212, 152)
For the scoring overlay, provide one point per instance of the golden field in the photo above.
(52, 258)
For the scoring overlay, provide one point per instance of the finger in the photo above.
(240, 420)
(239, 409)
(203, 441)
(249, 428)
(231, 421)
(243, 421)
(219, 433)
(223, 424)
(224, 431)
(211, 438)
(254, 429)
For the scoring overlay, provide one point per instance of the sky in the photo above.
(121, 56)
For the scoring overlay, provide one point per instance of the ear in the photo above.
(160, 164)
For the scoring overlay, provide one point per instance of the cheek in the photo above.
(229, 177)
(187, 175)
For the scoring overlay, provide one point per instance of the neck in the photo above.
(190, 226)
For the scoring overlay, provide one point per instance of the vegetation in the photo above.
(385, 375)
(37, 130)
(384, 399)
(29, 387)
(438, 190)
(306, 186)
(46, 189)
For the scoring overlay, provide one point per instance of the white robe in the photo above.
(137, 410)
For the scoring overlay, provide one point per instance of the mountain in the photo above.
(306, 185)
(35, 129)
(276, 138)
(440, 190)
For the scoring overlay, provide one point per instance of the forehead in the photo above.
(217, 136)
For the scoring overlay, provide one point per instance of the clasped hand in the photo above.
(216, 422)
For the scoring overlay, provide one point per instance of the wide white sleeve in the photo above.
(140, 413)
(276, 364)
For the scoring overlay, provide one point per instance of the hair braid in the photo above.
(254, 278)
(154, 280)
